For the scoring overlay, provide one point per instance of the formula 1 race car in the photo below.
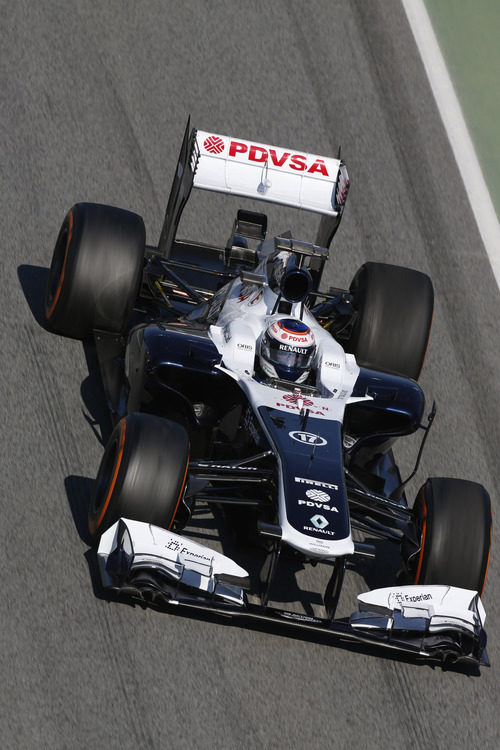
(236, 384)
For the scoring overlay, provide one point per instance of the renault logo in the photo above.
(319, 522)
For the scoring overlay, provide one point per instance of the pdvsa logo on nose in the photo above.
(318, 496)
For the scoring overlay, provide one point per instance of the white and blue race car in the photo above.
(236, 384)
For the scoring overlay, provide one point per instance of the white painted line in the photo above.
(454, 122)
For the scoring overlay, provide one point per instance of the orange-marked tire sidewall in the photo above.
(424, 530)
(181, 492)
(95, 523)
(62, 274)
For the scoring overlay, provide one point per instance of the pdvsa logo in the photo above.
(263, 154)
(293, 398)
(259, 154)
(318, 495)
(213, 144)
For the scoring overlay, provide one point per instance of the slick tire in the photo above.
(96, 270)
(453, 524)
(142, 473)
(394, 317)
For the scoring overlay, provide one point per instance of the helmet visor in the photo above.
(287, 356)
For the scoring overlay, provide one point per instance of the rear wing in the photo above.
(258, 171)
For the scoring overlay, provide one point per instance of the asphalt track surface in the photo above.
(95, 99)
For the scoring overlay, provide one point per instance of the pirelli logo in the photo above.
(316, 483)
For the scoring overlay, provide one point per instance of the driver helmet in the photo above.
(287, 350)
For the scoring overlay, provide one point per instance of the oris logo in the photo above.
(318, 495)
(213, 144)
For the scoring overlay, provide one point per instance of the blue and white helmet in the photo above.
(287, 350)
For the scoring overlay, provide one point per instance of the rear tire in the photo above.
(395, 307)
(142, 473)
(453, 523)
(96, 270)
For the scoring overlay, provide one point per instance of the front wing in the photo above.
(153, 566)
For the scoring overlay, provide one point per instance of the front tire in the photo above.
(453, 525)
(96, 270)
(142, 473)
(394, 316)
